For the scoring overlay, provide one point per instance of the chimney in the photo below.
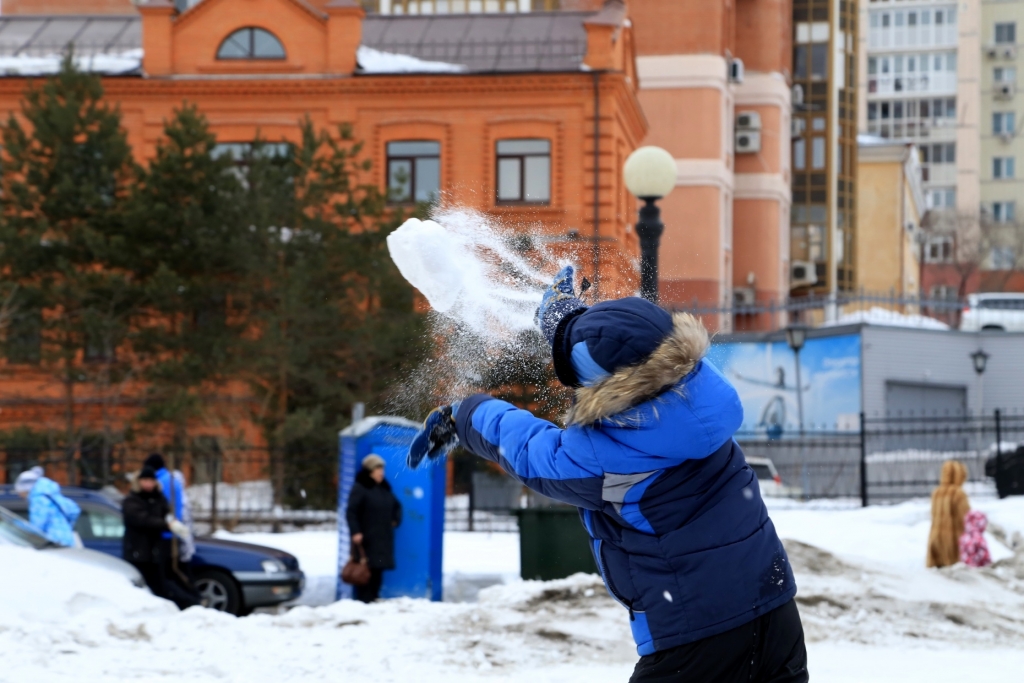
(344, 35)
(157, 46)
(602, 29)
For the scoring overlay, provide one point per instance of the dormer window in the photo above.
(251, 43)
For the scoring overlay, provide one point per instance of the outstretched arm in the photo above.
(530, 449)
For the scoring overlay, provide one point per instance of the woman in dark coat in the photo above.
(373, 513)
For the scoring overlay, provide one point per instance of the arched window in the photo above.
(251, 43)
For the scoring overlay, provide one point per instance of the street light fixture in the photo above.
(796, 337)
(650, 174)
(980, 360)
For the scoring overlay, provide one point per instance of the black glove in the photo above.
(437, 438)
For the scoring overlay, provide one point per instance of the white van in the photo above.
(993, 311)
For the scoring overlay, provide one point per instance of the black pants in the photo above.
(769, 649)
(370, 591)
(153, 575)
(163, 585)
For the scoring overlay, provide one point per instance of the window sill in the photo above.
(526, 207)
(256, 66)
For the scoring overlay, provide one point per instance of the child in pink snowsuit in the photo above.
(973, 549)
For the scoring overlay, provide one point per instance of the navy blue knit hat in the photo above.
(607, 337)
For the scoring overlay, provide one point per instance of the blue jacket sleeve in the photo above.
(530, 449)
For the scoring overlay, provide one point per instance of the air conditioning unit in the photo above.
(736, 70)
(743, 296)
(748, 120)
(1008, 51)
(1006, 138)
(1005, 91)
(802, 274)
(991, 51)
(748, 141)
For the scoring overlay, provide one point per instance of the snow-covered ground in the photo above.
(871, 611)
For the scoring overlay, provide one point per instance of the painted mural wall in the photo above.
(765, 375)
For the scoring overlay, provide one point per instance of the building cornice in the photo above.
(770, 186)
(767, 89)
(704, 172)
(682, 71)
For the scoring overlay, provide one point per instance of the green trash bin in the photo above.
(553, 544)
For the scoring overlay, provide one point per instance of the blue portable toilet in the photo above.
(419, 539)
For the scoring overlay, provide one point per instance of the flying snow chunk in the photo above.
(428, 256)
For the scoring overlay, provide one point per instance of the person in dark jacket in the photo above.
(373, 513)
(147, 516)
(678, 529)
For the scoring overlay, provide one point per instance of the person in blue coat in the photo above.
(678, 528)
(49, 510)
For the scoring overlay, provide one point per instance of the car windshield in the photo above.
(762, 471)
(16, 531)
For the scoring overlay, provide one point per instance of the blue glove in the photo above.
(559, 301)
(436, 439)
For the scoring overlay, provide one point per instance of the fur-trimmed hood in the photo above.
(675, 358)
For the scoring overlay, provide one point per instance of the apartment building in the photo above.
(824, 144)
(1002, 186)
(920, 80)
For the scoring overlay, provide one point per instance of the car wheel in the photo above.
(219, 591)
(994, 328)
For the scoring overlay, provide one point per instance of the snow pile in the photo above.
(51, 601)
(871, 611)
(885, 317)
(376, 62)
(111, 64)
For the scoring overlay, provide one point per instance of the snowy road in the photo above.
(871, 611)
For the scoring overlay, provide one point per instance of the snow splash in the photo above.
(470, 272)
(484, 282)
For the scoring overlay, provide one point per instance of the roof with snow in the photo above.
(484, 43)
(467, 43)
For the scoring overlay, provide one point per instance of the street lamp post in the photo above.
(980, 359)
(650, 174)
(796, 337)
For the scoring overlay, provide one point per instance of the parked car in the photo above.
(16, 531)
(769, 480)
(232, 577)
(994, 311)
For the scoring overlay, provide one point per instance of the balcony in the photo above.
(932, 83)
(912, 37)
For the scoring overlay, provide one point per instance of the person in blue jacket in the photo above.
(49, 510)
(679, 531)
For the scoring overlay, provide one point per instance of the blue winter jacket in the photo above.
(679, 530)
(53, 513)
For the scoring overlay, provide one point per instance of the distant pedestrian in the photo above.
(949, 506)
(174, 490)
(49, 510)
(147, 517)
(973, 547)
(373, 513)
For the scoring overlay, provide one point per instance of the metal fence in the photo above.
(889, 458)
(777, 313)
(885, 459)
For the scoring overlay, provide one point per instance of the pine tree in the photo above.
(67, 173)
(186, 244)
(336, 319)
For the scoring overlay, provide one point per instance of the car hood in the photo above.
(95, 558)
(220, 544)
